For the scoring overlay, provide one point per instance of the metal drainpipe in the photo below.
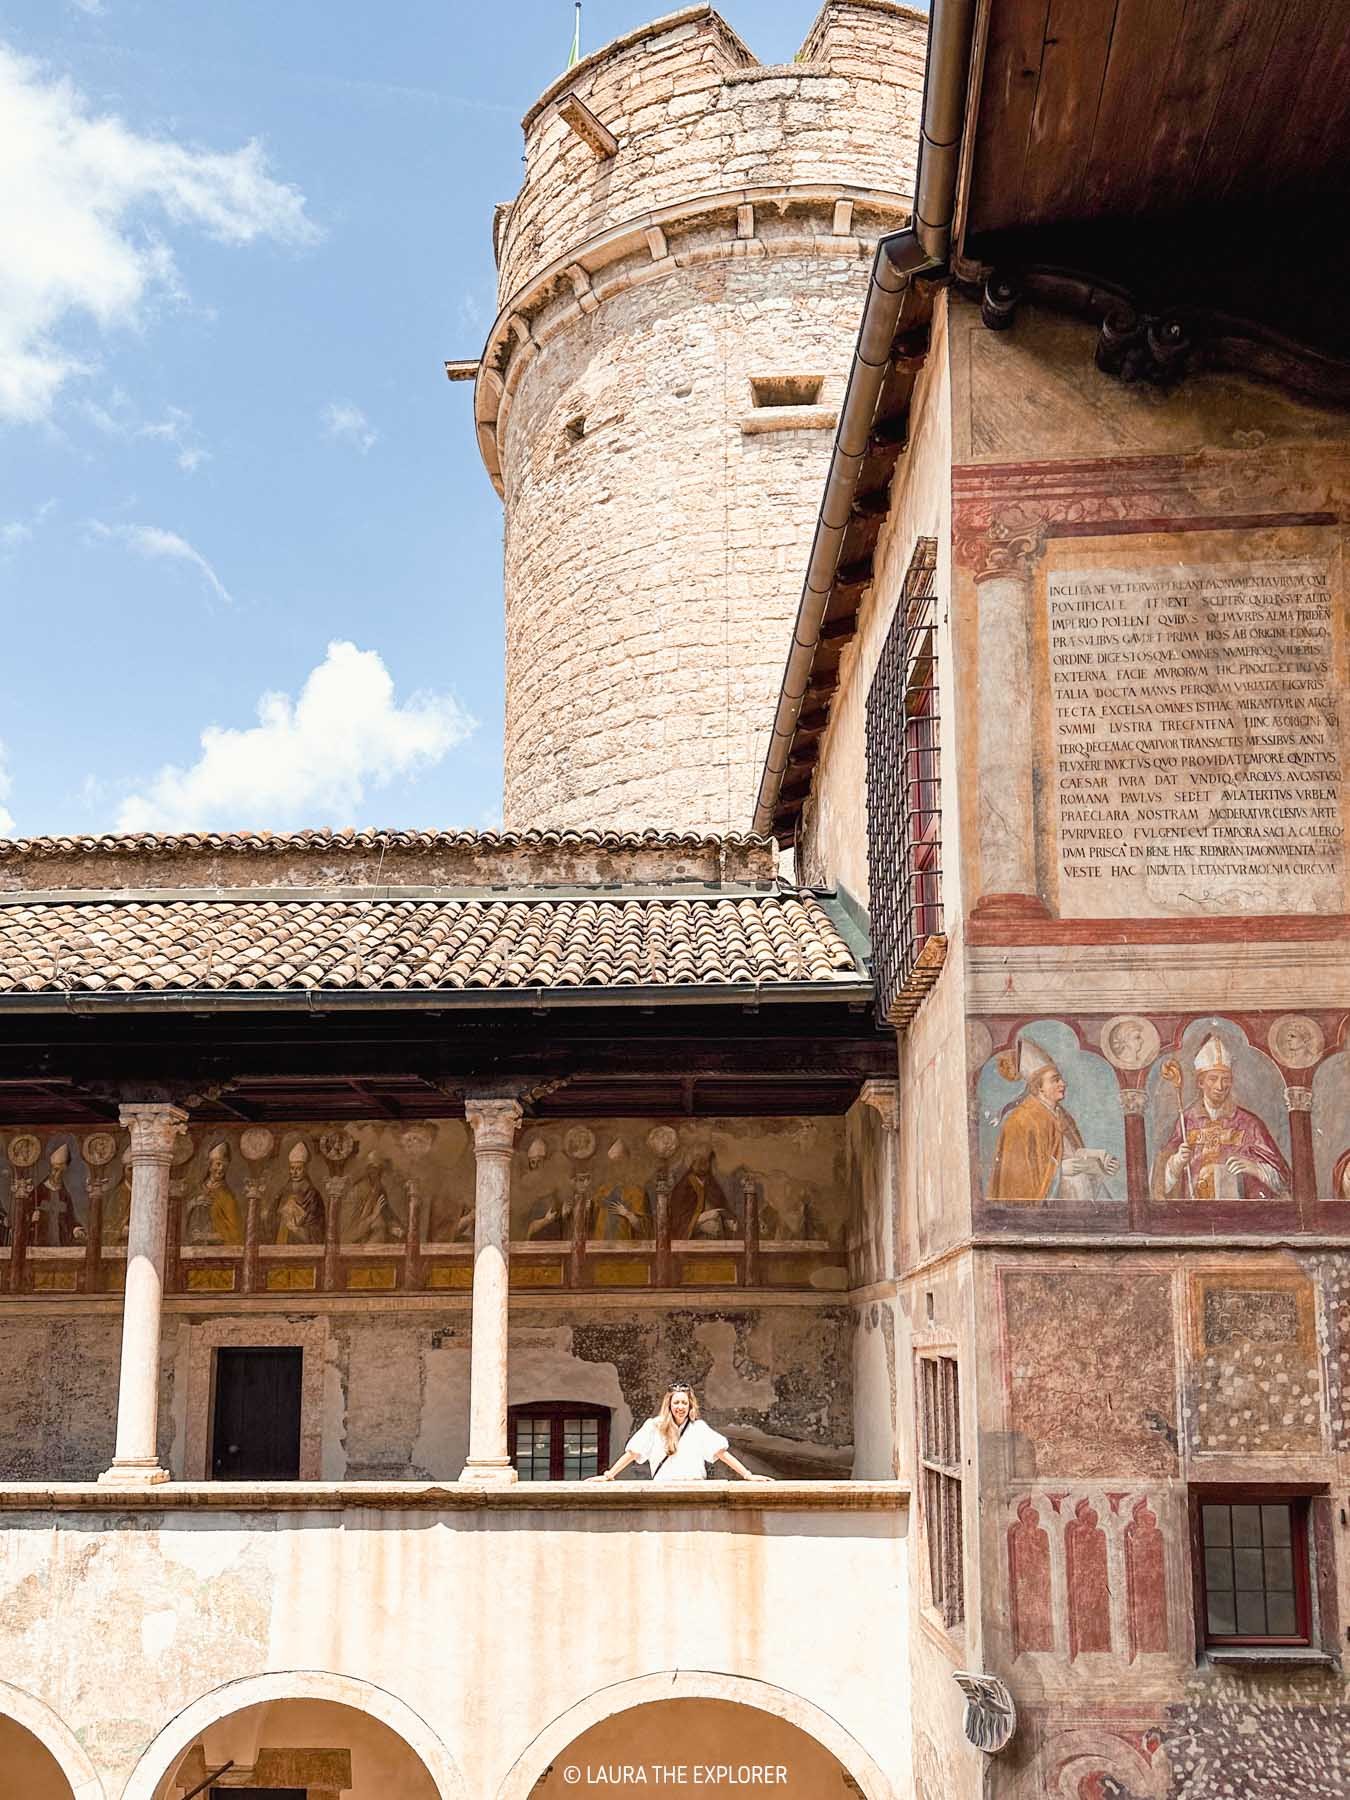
(901, 255)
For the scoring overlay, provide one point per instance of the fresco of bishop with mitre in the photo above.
(1218, 1150)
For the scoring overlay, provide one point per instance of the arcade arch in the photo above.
(686, 1717)
(329, 1735)
(40, 1758)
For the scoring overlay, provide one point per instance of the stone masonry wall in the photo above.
(658, 512)
(654, 566)
(695, 113)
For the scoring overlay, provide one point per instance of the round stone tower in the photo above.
(681, 279)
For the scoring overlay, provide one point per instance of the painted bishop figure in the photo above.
(1219, 1150)
(1041, 1154)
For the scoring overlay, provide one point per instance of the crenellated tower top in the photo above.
(679, 282)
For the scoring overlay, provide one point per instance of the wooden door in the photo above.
(256, 1424)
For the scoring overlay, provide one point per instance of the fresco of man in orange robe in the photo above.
(1040, 1154)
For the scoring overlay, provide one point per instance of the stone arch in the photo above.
(695, 1684)
(177, 1736)
(55, 1737)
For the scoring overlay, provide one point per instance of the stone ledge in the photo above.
(789, 418)
(1281, 1658)
(414, 1496)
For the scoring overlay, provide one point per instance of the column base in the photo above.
(133, 1474)
(487, 1473)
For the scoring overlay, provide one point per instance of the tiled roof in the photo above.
(268, 945)
(268, 843)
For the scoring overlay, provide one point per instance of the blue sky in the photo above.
(240, 240)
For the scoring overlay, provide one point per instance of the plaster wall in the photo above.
(385, 1388)
(431, 860)
(488, 1624)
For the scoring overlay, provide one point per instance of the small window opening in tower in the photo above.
(786, 390)
(575, 429)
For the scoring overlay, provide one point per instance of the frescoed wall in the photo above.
(1149, 1121)
(389, 1206)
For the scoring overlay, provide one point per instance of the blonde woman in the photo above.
(678, 1445)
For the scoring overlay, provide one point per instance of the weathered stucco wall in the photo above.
(386, 1387)
(484, 1626)
(1124, 1380)
(384, 859)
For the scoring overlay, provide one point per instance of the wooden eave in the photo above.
(886, 445)
(1191, 160)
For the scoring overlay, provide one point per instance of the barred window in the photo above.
(940, 1463)
(904, 799)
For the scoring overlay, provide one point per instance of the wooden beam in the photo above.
(579, 118)
(843, 625)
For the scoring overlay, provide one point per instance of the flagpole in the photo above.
(574, 55)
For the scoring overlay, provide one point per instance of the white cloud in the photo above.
(6, 818)
(175, 429)
(78, 194)
(18, 531)
(345, 423)
(154, 542)
(307, 760)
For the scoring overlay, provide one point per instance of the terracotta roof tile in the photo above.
(261, 945)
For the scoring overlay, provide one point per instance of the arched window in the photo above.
(559, 1440)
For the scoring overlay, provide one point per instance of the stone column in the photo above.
(494, 1124)
(153, 1129)
(883, 1096)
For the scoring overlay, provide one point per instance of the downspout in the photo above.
(921, 246)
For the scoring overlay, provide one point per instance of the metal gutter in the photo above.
(922, 246)
(853, 990)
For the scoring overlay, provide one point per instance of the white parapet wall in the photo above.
(487, 1630)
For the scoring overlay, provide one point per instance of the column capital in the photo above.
(494, 1124)
(1298, 1099)
(154, 1127)
(883, 1096)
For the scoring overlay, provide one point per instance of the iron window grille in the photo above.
(904, 799)
(558, 1440)
(940, 1468)
(1252, 1568)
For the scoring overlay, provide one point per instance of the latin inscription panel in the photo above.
(1197, 738)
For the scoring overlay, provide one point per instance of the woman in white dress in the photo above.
(677, 1445)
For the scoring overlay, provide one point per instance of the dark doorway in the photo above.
(256, 1425)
